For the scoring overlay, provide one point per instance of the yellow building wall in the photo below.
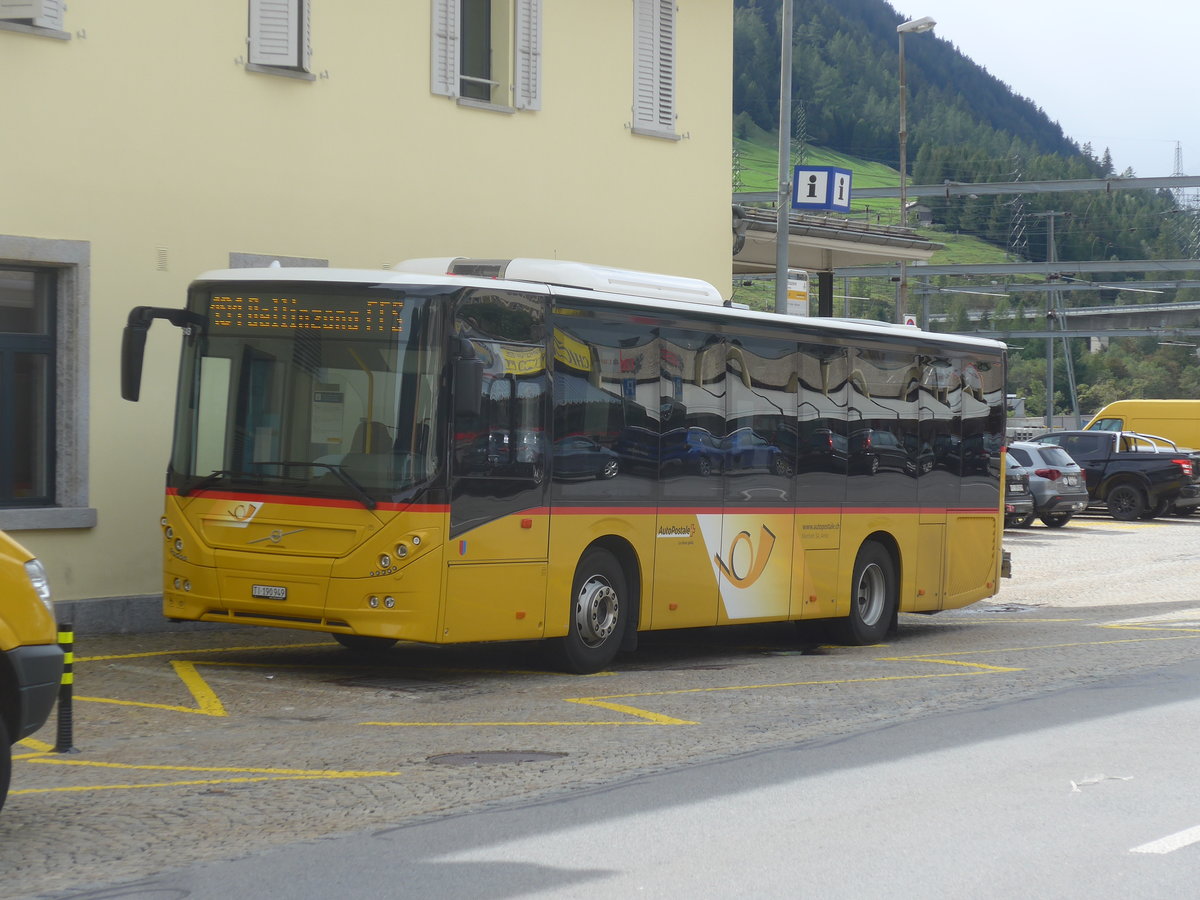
(146, 136)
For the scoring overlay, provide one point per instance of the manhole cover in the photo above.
(999, 608)
(493, 757)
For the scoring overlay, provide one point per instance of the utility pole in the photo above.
(1055, 313)
(783, 212)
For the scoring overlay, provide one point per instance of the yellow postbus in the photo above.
(459, 450)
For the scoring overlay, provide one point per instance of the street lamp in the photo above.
(913, 26)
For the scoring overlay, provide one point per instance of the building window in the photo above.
(26, 386)
(654, 68)
(43, 384)
(280, 37)
(37, 16)
(488, 52)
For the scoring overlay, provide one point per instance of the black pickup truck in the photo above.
(1137, 476)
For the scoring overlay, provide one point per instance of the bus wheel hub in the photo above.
(596, 611)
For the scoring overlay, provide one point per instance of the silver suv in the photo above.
(1055, 481)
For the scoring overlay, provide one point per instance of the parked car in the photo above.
(692, 450)
(577, 456)
(1018, 499)
(1137, 476)
(745, 448)
(1055, 483)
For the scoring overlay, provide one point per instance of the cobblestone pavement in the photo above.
(218, 744)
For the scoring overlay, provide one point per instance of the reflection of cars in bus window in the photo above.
(873, 450)
(581, 457)
(821, 449)
(747, 449)
(637, 446)
(921, 455)
(692, 450)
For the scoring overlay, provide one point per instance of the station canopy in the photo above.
(821, 243)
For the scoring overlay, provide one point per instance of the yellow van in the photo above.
(31, 662)
(1176, 420)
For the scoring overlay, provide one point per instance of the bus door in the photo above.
(498, 529)
(939, 431)
(753, 558)
(823, 464)
(691, 461)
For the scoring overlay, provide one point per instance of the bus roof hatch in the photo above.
(564, 273)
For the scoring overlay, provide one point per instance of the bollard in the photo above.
(66, 640)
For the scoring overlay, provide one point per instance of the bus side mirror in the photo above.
(133, 342)
(133, 351)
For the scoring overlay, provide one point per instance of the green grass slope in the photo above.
(757, 160)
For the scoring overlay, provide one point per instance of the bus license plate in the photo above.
(268, 591)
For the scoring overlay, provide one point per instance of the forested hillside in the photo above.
(965, 125)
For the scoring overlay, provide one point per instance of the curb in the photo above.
(122, 615)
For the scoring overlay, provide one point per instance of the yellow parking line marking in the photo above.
(253, 775)
(253, 770)
(151, 653)
(166, 784)
(511, 724)
(208, 703)
(647, 717)
(1174, 636)
(655, 718)
(949, 662)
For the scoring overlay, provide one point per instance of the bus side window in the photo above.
(506, 437)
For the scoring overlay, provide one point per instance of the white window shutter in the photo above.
(654, 65)
(528, 76)
(42, 13)
(305, 34)
(666, 64)
(275, 33)
(444, 51)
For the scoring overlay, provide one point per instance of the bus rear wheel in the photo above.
(872, 598)
(600, 604)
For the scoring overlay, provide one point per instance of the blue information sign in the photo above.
(821, 187)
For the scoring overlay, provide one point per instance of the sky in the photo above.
(1112, 73)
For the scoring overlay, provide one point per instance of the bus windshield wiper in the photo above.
(205, 481)
(360, 492)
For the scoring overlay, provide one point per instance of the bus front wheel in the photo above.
(599, 605)
(872, 598)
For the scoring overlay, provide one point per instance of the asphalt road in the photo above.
(1083, 793)
(203, 747)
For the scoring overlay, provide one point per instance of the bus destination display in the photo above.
(348, 315)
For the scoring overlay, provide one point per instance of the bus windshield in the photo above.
(325, 392)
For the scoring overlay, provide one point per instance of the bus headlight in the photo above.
(41, 584)
(401, 551)
(385, 561)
